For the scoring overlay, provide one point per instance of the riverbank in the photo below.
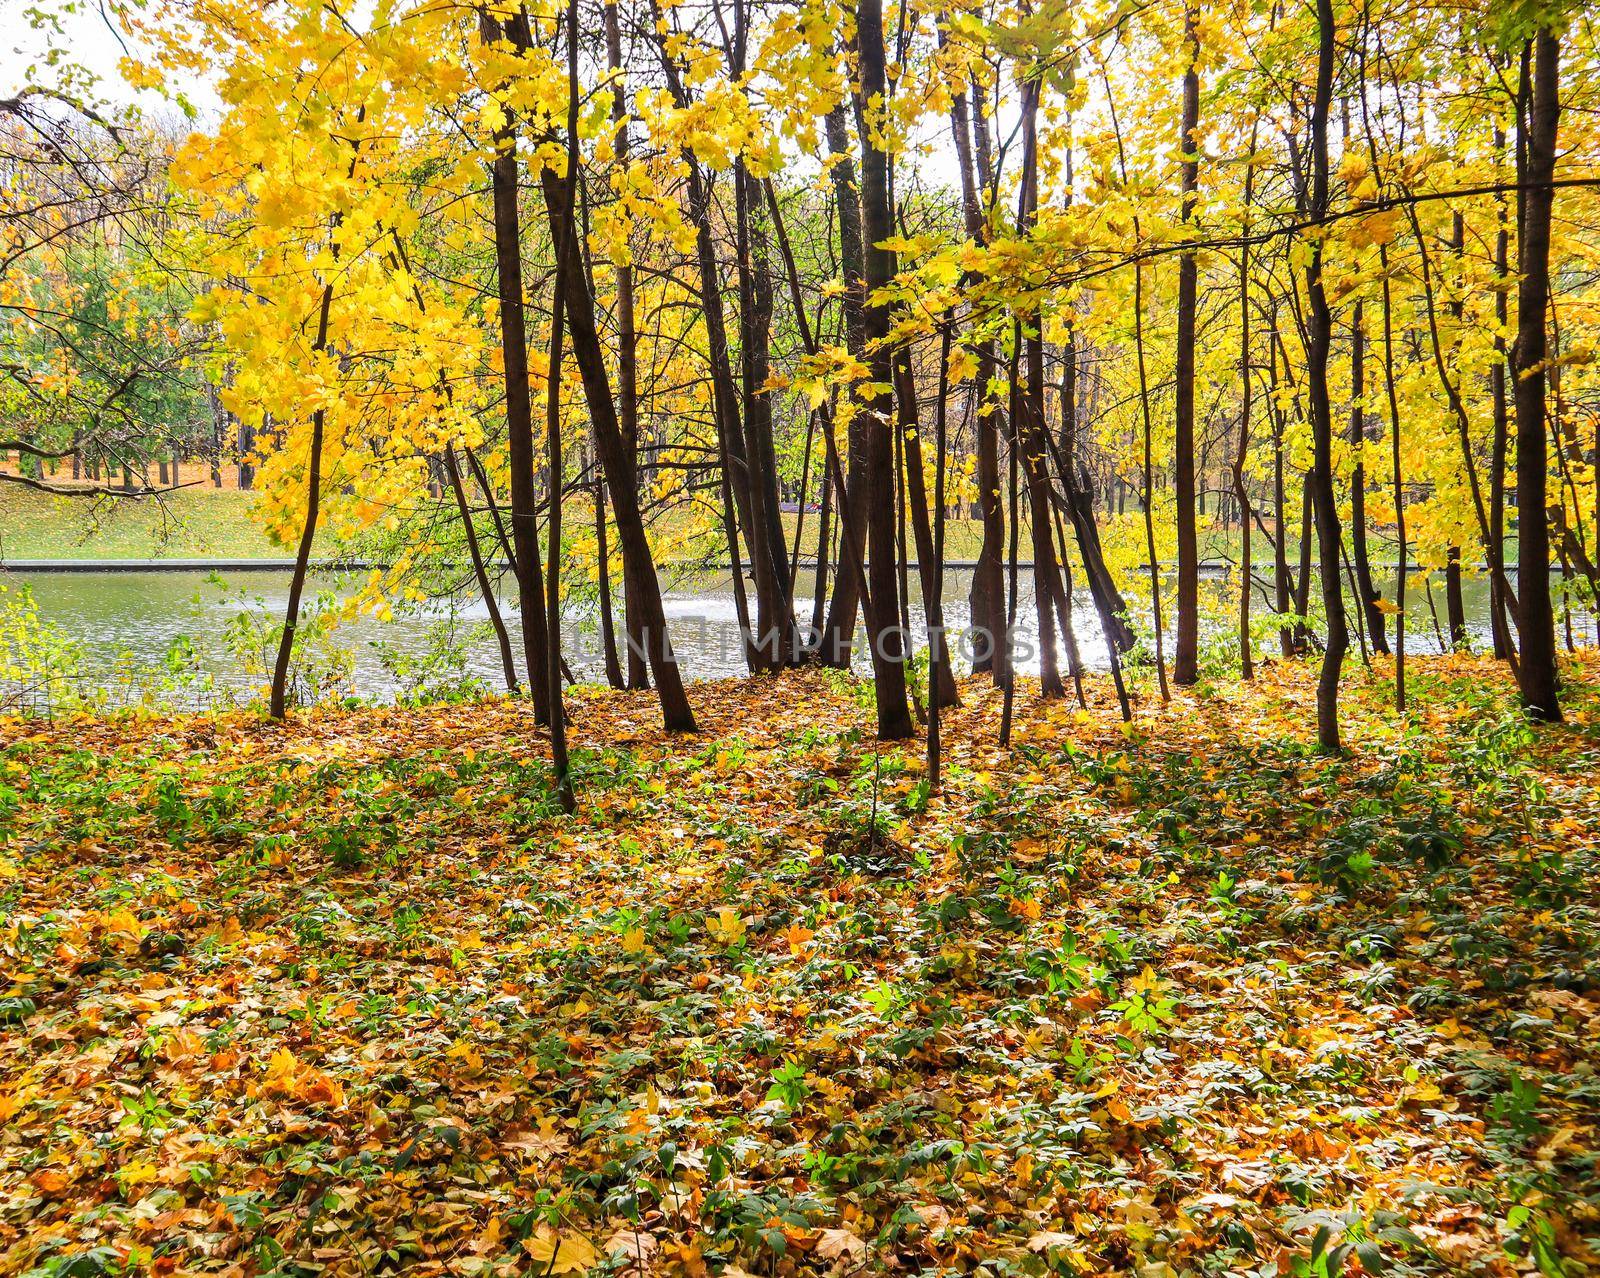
(191, 523)
(203, 528)
(1164, 1000)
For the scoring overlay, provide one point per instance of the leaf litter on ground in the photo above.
(352, 996)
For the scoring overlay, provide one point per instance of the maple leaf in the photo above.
(726, 927)
(561, 1252)
(634, 1249)
(845, 1247)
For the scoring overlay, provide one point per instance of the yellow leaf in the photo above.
(565, 1252)
(465, 1051)
(727, 928)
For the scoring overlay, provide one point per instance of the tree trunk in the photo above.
(1158, 622)
(505, 177)
(1537, 673)
(1362, 564)
(1320, 324)
(1499, 622)
(1282, 592)
(247, 443)
(819, 602)
(1185, 657)
(841, 622)
(608, 631)
(1392, 396)
(1455, 604)
(987, 595)
(851, 539)
(638, 675)
(278, 699)
(930, 567)
(564, 237)
(480, 571)
(1109, 604)
(773, 600)
(889, 683)
(638, 564)
(1246, 395)
(1399, 488)
(939, 657)
(1032, 432)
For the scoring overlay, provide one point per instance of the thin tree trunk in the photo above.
(506, 179)
(608, 630)
(1240, 492)
(841, 621)
(987, 595)
(939, 654)
(1366, 593)
(1302, 583)
(1391, 394)
(1032, 432)
(278, 702)
(278, 699)
(1069, 633)
(800, 506)
(564, 235)
(819, 601)
(1455, 604)
(1463, 427)
(1185, 659)
(1148, 495)
(775, 611)
(246, 446)
(481, 572)
(851, 538)
(739, 462)
(1008, 704)
(638, 670)
(930, 563)
(1282, 595)
(1499, 622)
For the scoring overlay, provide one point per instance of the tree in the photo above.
(1536, 617)
(889, 680)
(1185, 655)
(1320, 334)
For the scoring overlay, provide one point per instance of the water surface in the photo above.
(127, 625)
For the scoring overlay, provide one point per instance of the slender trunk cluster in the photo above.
(1039, 471)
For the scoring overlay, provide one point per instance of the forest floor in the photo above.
(350, 995)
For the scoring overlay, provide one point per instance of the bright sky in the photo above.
(88, 39)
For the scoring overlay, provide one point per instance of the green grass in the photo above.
(196, 523)
(208, 523)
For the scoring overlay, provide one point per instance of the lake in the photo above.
(126, 623)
